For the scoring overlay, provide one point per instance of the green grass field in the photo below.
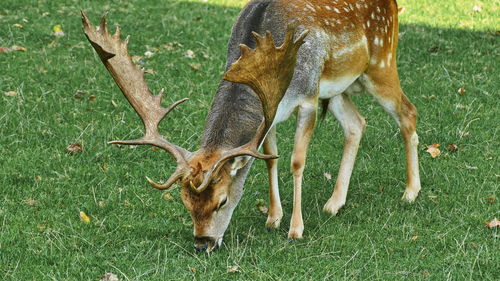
(63, 95)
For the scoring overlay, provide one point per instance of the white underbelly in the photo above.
(331, 88)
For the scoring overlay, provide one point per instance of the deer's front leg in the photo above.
(306, 119)
(275, 210)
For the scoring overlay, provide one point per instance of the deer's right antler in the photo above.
(130, 79)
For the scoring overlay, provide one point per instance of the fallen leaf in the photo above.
(18, 25)
(490, 198)
(74, 148)
(92, 98)
(38, 178)
(493, 223)
(260, 205)
(168, 196)
(42, 70)
(452, 148)
(18, 48)
(136, 59)
(109, 277)
(195, 66)
(414, 238)
(84, 217)
(150, 71)
(126, 203)
(105, 166)
(58, 32)
(433, 49)
(30, 202)
(154, 148)
(233, 269)
(10, 93)
(470, 167)
(190, 54)
(461, 91)
(327, 176)
(192, 269)
(433, 150)
(432, 196)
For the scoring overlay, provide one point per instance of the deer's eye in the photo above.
(222, 203)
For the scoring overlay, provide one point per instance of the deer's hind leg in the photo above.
(353, 125)
(383, 84)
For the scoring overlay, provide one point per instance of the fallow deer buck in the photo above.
(340, 48)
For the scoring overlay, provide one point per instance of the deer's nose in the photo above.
(202, 243)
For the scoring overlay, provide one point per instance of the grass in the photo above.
(138, 234)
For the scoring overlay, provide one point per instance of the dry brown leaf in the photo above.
(168, 196)
(490, 198)
(74, 148)
(233, 269)
(452, 148)
(38, 178)
(327, 176)
(433, 150)
(414, 238)
(92, 98)
(461, 91)
(154, 148)
(10, 93)
(109, 277)
(492, 224)
(192, 269)
(84, 217)
(105, 166)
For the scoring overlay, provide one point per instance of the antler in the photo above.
(130, 79)
(268, 70)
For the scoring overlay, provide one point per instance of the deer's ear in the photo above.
(238, 163)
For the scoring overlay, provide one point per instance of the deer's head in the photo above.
(211, 178)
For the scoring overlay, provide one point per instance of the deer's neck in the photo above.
(236, 111)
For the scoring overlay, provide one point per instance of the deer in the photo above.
(284, 57)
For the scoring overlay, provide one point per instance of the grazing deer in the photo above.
(340, 48)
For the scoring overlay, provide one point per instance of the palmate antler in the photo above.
(268, 70)
(130, 79)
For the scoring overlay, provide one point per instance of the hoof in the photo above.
(273, 222)
(333, 206)
(410, 195)
(296, 233)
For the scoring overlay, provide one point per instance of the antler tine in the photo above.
(268, 70)
(130, 79)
